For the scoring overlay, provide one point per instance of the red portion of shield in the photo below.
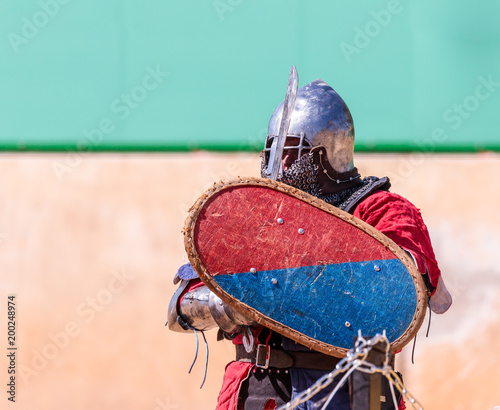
(241, 228)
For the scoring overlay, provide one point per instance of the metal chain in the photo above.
(355, 360)
(396, 381)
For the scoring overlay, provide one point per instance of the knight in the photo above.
(315, 156)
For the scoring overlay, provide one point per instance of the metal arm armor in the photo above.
(201, 309)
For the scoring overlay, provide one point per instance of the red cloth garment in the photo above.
(234, 375)
(270, 405)
(400, 220)
(236, 372)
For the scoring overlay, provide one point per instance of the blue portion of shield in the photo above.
(329, 303)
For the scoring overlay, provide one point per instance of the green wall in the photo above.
(172, 75)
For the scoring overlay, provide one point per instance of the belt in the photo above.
(268, 357)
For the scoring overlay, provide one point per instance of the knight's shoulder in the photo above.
(386, 197)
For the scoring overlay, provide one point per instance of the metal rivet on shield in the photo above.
(274, 281)
(281, 221)
(347, 324)
(377, 268)
(301, 231)
(253, 270)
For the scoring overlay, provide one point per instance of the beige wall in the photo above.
(89, 244)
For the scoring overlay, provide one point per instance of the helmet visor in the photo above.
(295, 147)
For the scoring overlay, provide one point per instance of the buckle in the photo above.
(262, 356)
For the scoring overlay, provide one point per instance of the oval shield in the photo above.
(302, 267)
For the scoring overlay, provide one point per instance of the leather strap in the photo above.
(314, 360)
(365, 191)
(268, 357)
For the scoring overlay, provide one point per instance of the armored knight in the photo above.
(317, 158)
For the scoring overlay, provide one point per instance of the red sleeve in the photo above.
(401, 221)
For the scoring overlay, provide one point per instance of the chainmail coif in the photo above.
(303, 175)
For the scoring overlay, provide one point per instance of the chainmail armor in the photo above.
(303, 175)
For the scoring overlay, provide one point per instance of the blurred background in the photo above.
(116, 116)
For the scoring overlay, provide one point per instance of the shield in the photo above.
(302, 267)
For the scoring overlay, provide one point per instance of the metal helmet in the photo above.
(320, 118)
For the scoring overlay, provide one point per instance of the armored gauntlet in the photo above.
(201, 309)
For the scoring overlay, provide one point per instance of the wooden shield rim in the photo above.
(258, 317)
